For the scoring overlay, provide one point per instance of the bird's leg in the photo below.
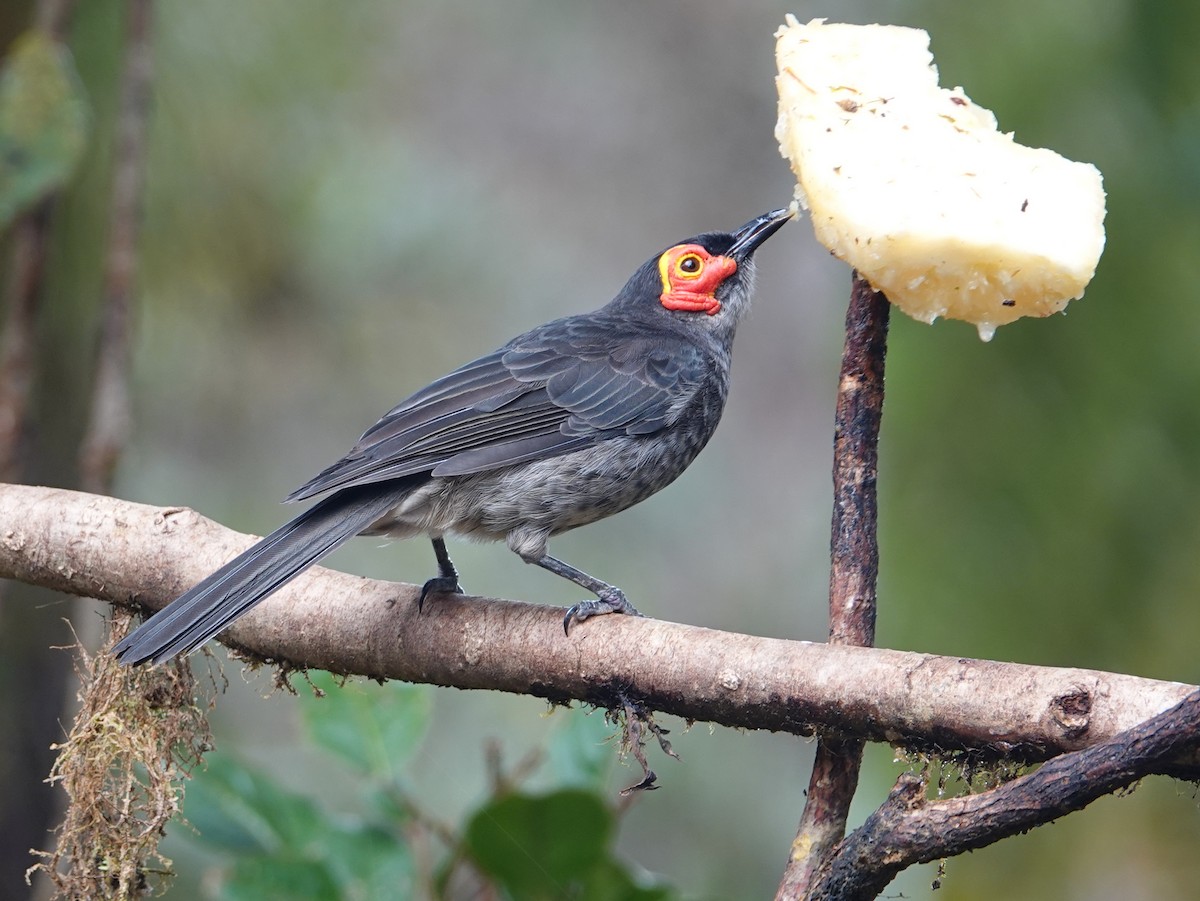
(609, 598)
(446, 581)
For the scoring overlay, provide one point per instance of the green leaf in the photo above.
(279, 878)
(384, 804)
(369, 862)
(580, 749)
(284, 846)
(375, 728)
(239, 810)
(43, 122)
(541, 847)
(609, 881)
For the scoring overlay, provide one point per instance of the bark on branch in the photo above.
(854, 572)
(129, 553)
(910, 829)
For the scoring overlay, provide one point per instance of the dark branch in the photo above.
(854, 548)
(854, 570)
(910, 829)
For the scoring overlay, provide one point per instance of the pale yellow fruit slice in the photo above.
(914, 187)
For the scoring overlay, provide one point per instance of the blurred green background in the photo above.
(347, 200)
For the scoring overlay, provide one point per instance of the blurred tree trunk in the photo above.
(59, 239)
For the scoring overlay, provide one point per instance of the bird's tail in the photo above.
(227, 594)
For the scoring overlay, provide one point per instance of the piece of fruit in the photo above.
(914, 187)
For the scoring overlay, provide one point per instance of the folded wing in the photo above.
(557, 389)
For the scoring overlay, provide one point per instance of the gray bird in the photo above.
(566, 424)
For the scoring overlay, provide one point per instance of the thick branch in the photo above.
(130, 553)
(910, 829)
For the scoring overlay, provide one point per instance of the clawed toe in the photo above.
(438, 585)
(613, 601)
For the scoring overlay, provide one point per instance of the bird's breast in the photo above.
(578, 488)
(559, 493)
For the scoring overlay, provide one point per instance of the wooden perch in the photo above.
(853, 575)
(910, 829)
(129, 553)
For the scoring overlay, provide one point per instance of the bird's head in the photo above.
(707, 278)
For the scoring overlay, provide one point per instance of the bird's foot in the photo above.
(610, 600)
(438, 585)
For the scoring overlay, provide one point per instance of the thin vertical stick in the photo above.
(854, 548)
(853, 572)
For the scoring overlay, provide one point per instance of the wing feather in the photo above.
(557, 389)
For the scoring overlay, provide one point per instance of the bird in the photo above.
(566, 424)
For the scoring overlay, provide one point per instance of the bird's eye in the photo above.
(690, 264)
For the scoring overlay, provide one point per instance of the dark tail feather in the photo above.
(218, 600)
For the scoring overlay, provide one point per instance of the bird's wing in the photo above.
(556, 389)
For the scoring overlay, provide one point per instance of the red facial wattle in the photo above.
(691, 277)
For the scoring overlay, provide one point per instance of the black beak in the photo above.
(747, 238)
